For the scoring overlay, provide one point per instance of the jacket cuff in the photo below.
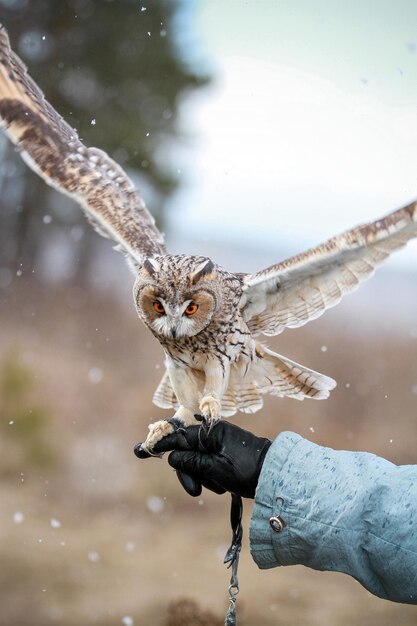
(266, 519)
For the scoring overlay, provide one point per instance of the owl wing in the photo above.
(300, 289)
(53, 150)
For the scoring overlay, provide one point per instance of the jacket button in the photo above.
(277, 524)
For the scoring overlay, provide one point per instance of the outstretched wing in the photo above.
(52, 148)
(300, 289)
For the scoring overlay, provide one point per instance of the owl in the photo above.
(207, 319)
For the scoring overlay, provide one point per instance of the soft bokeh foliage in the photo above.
(116, 72)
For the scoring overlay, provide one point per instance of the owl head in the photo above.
(177, 296)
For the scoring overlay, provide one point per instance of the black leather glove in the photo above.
(225, 458)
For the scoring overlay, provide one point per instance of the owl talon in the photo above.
(157, 431)
(207, 425)
(212, 423)
(210, 408)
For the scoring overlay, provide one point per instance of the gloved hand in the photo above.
(225, 458)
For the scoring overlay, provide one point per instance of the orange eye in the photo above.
(158, 307)
(191, 308)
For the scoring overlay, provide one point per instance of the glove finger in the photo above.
(140, 452)
(189, 483)
(199, 438)
(194, 487)
(188, 438)
(184, 439)
(175, 441)
(208, 469)
(213, 486)
(190, 461)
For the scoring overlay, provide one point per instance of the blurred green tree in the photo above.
(23, 421)
(116, 72)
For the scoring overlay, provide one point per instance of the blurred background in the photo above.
(254, 130)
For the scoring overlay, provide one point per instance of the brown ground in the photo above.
(130, 541)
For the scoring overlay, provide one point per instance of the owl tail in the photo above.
(275, 374)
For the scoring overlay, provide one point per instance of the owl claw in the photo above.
(209, 424)
(210, 409)
(157, 431)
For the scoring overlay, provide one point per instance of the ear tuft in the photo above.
(203, 269)
(151, 266)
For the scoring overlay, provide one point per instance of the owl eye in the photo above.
(191, 308)
(158, 307)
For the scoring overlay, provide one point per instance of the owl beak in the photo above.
(173, 333)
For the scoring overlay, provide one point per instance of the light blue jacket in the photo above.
(349, 512)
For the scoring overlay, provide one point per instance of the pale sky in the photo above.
(310, 126)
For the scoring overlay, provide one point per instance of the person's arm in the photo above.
(350, 512)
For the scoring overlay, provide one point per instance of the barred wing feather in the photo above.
(300, 289)
(52, 148)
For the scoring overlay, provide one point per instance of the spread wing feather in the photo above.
(52, 148)
(300, 289)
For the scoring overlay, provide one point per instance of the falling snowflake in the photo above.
(95, 375)
(155, 504)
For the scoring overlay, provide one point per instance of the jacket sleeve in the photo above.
(350, 512)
